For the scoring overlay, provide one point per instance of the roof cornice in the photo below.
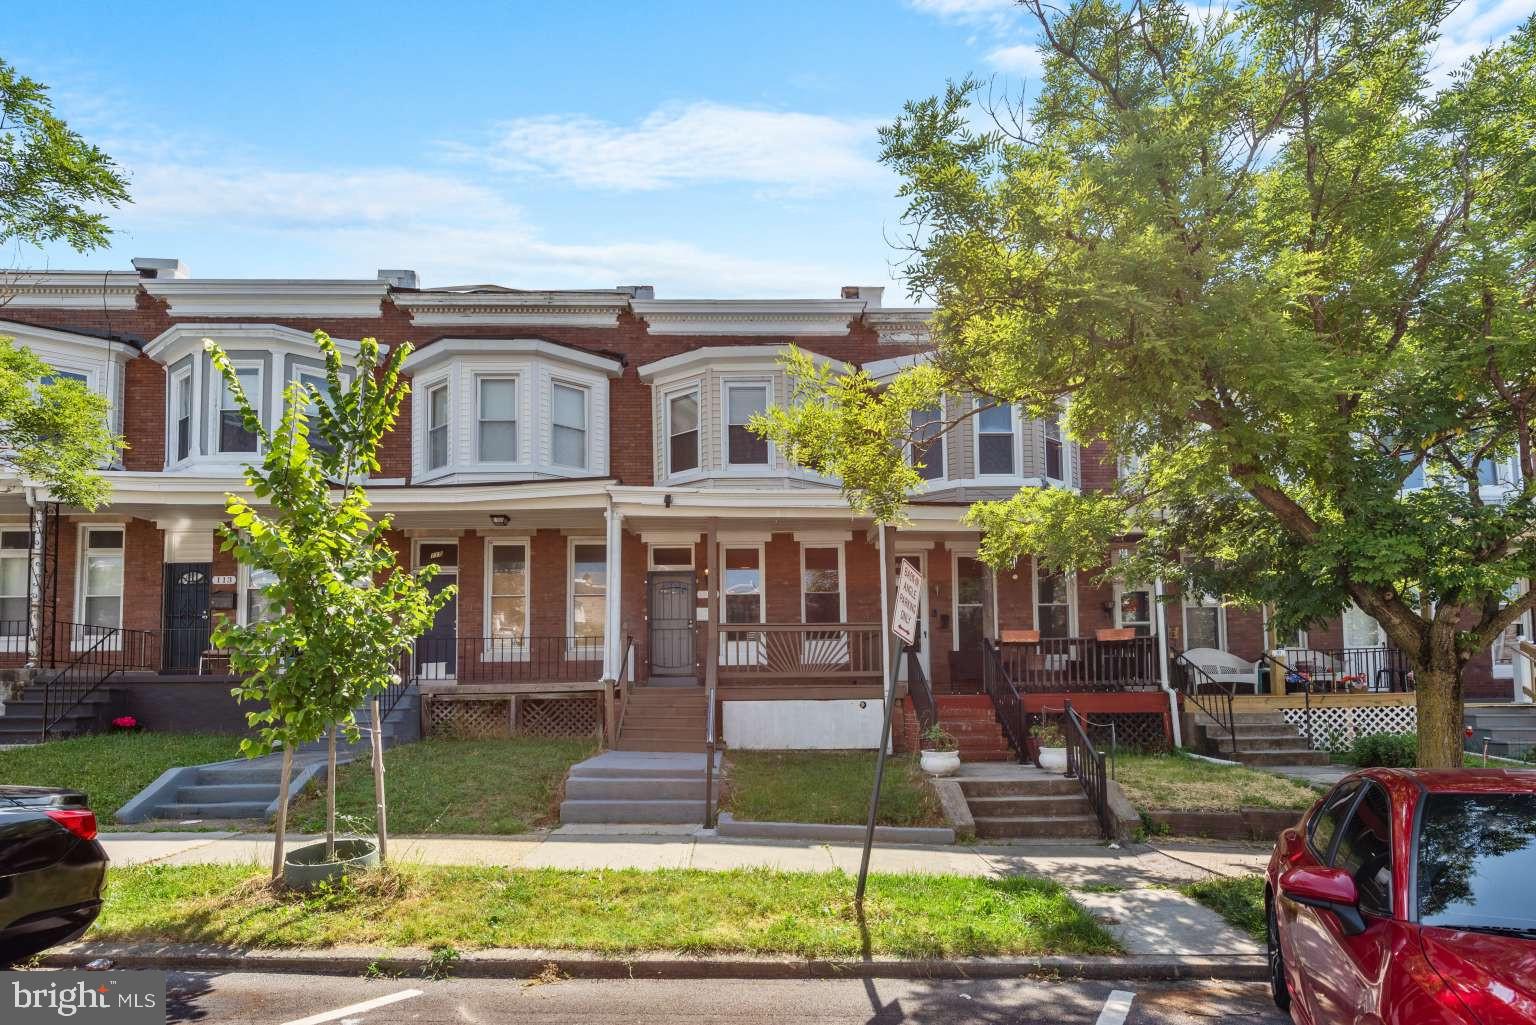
(269, 297)
(180, 337)
(120, 350)
(448, 348)
(782, 317)
(69, 289)
(595, 308)
(908, 325)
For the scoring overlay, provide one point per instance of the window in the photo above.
(1053, 604)
(994, 441)
(507, 608)
(1134, 609)
(743, 585)
(928, 442)
(66, 375)
(101, 590)
(437, 427)
(569, 433)
(821, 584)
(589, 596)
(257, 605)
(1325, 825)
(1055, 452)
(15, 551)
(233, 436)
(312, 379)
(1476, 856)
(1203, 621)
(1361, 630)
(742, 447)
(181, 414)
(498, 419)
(1365, 851)
(683, 432)
(672, 557)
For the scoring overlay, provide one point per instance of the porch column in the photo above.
(613, 627)
(712, 619)
(37, 523)
(1162, 659)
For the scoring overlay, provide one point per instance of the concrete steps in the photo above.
(1024, 803)
(22, 719)
(1263, 738)
(1510, 730)
(636, 787)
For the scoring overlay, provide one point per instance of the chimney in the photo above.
(869, 293)
(159, 267)
(638, 291)
(398, 278)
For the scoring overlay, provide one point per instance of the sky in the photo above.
(713, 150)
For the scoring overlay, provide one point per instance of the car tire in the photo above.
(1279, 989)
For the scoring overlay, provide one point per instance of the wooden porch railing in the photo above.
(1060, 664)
(806, 652)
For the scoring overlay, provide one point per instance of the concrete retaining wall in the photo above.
(841, 725)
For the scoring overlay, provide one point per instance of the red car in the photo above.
(1408, 897)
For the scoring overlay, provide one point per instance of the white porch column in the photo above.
(613, 650)
(1162, 657)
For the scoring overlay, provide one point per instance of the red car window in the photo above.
(1326, 823)
(1365, 851)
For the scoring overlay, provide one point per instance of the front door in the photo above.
(187, 624)
(437, 649)
(672, 623)
(1134, 608)
(920, 643)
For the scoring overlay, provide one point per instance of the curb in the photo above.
(730, 826)
(522, 964)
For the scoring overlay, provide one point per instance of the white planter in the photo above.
(1053, 759)
(941, 763)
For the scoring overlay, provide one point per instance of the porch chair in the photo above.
(1225, 667)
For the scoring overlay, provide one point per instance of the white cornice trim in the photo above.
(670, 538)
(739, 357)
(909, 325)
(271, 297)
(448, 348)
(118, 350)
(780, 317)
(69, 289)
(571, 309)
(179, 338)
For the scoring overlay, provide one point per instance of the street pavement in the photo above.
(266, 999)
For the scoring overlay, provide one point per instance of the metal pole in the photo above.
(887, 607)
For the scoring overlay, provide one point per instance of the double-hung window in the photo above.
(318, 390)
(233, 435)
(258, 606)
(742, 447)
(181, 414)
(821, 584)
(928, 442)
(743, 585)
(101, 582)
(15, 551)
(508, 605)
(568, 433)
(497, 402)
(683, 432)
(437, 426)
(1055, 451)
(1053, 604)
(589, 598)
(994, 442)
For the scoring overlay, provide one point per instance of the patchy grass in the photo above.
(1178, 782)
(827, 787)
(453, 786)
(1238, 899)
(111, 767)
(465, 908)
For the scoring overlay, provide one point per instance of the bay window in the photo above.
(181, 415)
(497, 424)
(927, 450)
(994, 441)
(742, 447)
(1055, 451)
(568, 437)
(683, 432)
(437, 426)
(233, 437)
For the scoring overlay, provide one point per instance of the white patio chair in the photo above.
(1225, 667)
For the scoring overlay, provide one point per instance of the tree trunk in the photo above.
(280, 827)
(381, 823)
(330, 797)
(1438, 695)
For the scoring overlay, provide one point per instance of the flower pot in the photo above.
(305, 866)
(940, 763)
(1053, 759)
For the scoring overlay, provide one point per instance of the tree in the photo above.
(52, 182)
(1280, 272)
(55, 430)
(346, 610)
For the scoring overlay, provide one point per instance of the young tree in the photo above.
(54, 430)
(346, 609)
(1282, 272)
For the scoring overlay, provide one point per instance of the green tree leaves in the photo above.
(54, 429)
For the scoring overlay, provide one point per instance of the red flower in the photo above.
(126, 722)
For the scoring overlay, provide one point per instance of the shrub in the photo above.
(937, 738)
(1388, 750)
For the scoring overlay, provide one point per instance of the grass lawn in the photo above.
(1178, 782)
(827, 787)
(754, 911)
(1238, 899)
(111, 767)
(453, 786)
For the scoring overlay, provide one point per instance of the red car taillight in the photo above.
(81, 823)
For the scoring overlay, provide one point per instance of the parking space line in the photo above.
(1116, 1008)
(350, 1009)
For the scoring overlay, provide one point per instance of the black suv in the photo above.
(51, 869)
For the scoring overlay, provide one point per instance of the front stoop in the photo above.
(637, 787)
(1263, 738)
(972, 721)
(1510, 730)
(1026, 803)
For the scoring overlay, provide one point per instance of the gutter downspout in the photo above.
(1162, 658)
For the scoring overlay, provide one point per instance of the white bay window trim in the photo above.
(734, 418)
(675, 431)
(504, 419)
(987, 427)
(229, 436)
(569, 424)
(437, 442)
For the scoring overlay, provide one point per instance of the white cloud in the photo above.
(1024, 59)
(967, 11)
(699, 143)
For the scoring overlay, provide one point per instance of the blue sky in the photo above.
(710, 149)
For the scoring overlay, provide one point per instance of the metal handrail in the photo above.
(1006, 699)
(709, 759)
(1086, 763)
(62, 696)
(921, 692)
(622, 687)
(1304, 684)
(1212, 696)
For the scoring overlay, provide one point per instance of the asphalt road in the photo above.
(270, 999)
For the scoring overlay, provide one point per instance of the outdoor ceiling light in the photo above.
(500, 519)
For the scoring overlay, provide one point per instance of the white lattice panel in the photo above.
(1335, 729)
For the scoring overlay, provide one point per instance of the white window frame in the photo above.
(242, 599)
(1071, 579)
(1302, 643)
(1120, 590)
(652, 564)
(477, 381)
(18, 642)
(1204, 601)
(764, 383)
(180, 377)
(445, 385)
(762, 579)
(1045, 447)
(842, 579)
(989, 608)
(497, 650)
(1381, 634)
(257, 398)
(586, 422)
(667, 398)
(1014, 445)
(83, 638)
(942, 441)
(570, 583)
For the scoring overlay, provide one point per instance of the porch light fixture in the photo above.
(500, 519)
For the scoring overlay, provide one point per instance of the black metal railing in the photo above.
(1006, 699)
(1210, 695)
(13, 636)
(545, 659)
(1345, 670)
(1086, 763)
(96, 655)
(623, 688)
(1066, 664)
(920, 691)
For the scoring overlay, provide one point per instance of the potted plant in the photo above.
(1052, 747)
(940, 753)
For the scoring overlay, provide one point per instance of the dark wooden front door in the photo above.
(187, 623)
(672, 624)
(437, 649)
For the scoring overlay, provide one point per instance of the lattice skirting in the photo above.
(1335, 729)
(1132, 731)
(480, 717)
